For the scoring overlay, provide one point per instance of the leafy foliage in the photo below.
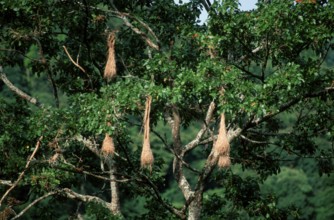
(269, 70)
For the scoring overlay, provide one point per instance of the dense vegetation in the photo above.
(268, 72)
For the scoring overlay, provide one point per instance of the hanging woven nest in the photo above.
(224, 161)
(221, 146)
(108, 147)
(110, 68)
(147, 159)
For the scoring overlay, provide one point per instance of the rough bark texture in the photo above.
(195, 207)
(177, 163)
(114, 204)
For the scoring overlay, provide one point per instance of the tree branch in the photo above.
(288, 105)
(160, 199)
(124, 17)
(254, 141)
(68, 193)
(23, 172)
(200, 134)
(6, 182)
(71, 59)
(33, 203)
(252, 52)
(177, 163)
(137, 31)
(17, 91)
(206, 5)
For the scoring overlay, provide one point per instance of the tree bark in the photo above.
(195, 207)
(114, 203)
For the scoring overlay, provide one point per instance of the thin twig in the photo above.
(254, 141)
(75, 63)
(79, 170)
(23, 172)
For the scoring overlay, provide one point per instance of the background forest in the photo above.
(268, 71)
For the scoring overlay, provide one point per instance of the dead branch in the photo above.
(75, 63)
(23, 172)
(17, 91)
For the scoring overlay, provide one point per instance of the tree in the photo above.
(229, 80)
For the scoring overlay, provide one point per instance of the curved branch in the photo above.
(17, 91)
(33, 203)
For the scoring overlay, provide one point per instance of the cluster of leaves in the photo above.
(195, 65)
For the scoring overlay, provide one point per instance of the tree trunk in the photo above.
(114, 204)
(195, 207)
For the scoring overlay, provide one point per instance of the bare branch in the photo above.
(200, 134)
(23, 172)
(6, 182)
(17, 91)
(137, 31)
(75, 63)
(68, 193)
(33, 203)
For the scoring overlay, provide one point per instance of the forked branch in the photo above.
(71, 59)
(200, 134)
